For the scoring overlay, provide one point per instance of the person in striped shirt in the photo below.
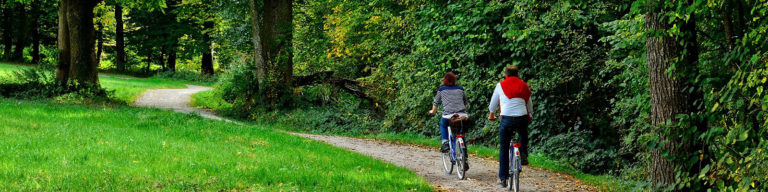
(454, 102)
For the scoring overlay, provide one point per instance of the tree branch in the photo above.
(326, 77)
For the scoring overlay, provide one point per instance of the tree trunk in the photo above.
(161, 59)
(149, 62)
(172, 5)
(171, 59)
(62, 72)
(277, 36)
(83, 67)
(7, 30)
(21, 27)
(258, 53)
(100, 43)
(119, 39)
(207, 60)
(668, 97)
(36, 11)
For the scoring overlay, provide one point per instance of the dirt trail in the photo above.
(426, 162)
(176, 99)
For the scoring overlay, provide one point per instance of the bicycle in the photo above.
(456, 155)
(515, 167)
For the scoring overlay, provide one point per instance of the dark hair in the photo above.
(449, 79)
(511, 71)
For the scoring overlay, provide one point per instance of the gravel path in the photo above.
(426, 162)
(176, 99)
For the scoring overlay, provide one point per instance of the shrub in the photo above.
(188, 76)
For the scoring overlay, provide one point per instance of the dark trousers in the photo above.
(510, 125)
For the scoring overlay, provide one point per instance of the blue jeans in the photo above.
(510, 125)
(444, 129)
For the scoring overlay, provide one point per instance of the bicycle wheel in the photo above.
(516, 175)
(447, 164)
(461, 162)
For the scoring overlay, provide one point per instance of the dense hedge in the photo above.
(584, 60)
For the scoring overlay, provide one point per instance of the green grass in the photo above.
(51, 147)
(126, 88)
(209, 100)
(6, 69)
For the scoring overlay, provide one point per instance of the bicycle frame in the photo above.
(451, 140)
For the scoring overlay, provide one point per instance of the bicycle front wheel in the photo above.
(516, 174)
(447, 164)
(461, 161)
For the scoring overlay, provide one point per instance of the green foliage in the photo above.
(584, 60)
(188, 76)
(210, 100)
(33, 83)
(239, 86)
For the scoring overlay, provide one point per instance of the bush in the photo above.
(240, 86)
(38, 84)
(188, 76)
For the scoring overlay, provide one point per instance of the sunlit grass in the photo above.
(53, 147)
(126, 88)
(209, 100)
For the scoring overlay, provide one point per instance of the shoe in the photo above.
(466, 166)
(445, 148)
(503, 183)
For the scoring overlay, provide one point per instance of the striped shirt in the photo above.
(453, 99)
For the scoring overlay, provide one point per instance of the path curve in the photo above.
(426, 162)
(176, 99)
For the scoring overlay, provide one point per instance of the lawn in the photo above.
(51, 147)
(126, 88)
(7, 69)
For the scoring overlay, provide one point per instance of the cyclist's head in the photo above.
(449, 79)
(511, 71)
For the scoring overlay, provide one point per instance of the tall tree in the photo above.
(207, 60)
(100, 42)
(277, 35)
(35, 31)
(172, 34)
(76, 42)
(7, 29)
(258, 54)
(669, 97)
(20, 34)
(119, 38)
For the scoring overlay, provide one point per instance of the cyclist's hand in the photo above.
(432, 112)
(492, 117)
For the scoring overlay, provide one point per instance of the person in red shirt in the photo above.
(513, 96)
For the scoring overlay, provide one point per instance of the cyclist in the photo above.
(513, 96)
(454, 102)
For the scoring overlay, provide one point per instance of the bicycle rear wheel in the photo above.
(461, 161)
(447, 164)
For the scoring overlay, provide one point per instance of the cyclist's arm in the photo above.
(494, 106)
(436, 102)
